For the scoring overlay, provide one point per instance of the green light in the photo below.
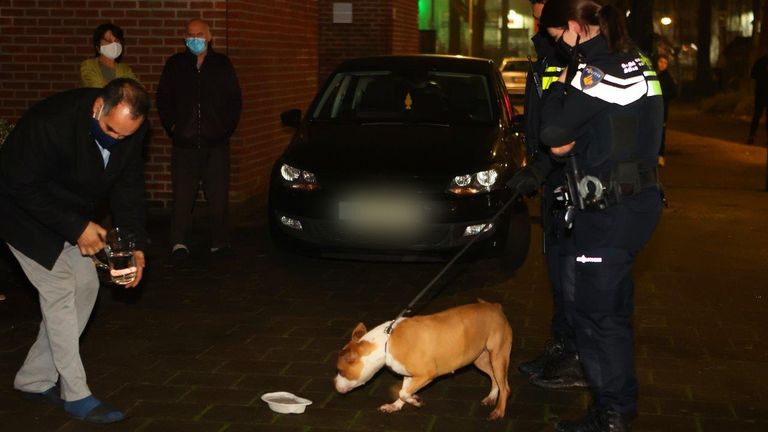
(425, 14)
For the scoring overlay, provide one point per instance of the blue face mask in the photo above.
(101, 137)
(196, 45)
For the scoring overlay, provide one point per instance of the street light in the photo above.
(666, 21)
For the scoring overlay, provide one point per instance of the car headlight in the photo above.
(471, 184)
(298, 179)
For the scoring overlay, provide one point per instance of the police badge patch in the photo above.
(590, 77)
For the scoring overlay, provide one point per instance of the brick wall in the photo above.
(278, 47)
(274, 49)
(378, 27)
(405, 27)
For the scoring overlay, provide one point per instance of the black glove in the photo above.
(526, 181)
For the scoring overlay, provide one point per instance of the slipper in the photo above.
(52, 395)
(93, 410)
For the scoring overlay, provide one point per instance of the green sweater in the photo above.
(91, 76)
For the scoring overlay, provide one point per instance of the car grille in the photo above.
(433, 236)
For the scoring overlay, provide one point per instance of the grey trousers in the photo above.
(67, 295)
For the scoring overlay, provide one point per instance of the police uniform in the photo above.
(546, 71)
(613, 110)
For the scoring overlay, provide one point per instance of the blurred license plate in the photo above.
(380, 213)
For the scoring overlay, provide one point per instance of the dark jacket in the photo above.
(544, 72)
(199, 107)
(52, 174)
(612, 108)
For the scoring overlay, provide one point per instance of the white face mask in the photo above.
(112, 50)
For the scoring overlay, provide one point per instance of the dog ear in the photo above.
(358, 332)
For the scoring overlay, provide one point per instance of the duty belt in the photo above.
(587, 192)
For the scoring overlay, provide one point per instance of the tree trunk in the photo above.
(640, 25)
(703, 66)
(761, 17)
(504, 30)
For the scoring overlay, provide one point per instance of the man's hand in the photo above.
(563, 75)
(91, 239)
(525, 181)
(138, 257)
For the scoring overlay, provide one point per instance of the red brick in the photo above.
(278, 50)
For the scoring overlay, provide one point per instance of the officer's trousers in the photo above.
(553, 227)
(596, 264)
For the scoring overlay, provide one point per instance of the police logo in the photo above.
(590, 77)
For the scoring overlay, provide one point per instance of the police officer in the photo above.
(604, 117)
(558, 365)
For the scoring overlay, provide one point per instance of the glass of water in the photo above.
(121, 264)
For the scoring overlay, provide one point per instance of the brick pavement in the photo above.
(195, 348)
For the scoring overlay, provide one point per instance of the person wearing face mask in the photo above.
(604, 119)
(105, 65)
(65, 154)
(199, 102)
(558, 365)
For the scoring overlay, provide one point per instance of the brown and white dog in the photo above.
(421, 348)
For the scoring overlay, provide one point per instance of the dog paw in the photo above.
(496, 415)
(416, 401)
(489, 400)
(390, 408)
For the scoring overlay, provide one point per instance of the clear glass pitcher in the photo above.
(120, 263)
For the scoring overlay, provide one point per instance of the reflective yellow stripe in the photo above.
(547, 81)
(654, 88)
(551, 74)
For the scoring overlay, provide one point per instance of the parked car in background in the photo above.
(514, 70)
(402, 157)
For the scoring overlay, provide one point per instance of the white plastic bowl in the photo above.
(285, 403)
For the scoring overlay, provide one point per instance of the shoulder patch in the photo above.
(590, 77)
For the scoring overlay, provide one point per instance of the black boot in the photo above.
(536, 366)
(597, 420)
(564, 371)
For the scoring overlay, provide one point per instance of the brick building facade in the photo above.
(281, 50)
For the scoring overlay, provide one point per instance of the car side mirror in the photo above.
(518, 123)
(291, 118)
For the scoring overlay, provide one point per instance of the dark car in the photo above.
(402, 157)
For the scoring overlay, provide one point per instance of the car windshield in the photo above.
(396, 97)
(516, 66)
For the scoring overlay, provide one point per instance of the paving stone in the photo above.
(129, 424)
(149, 392)
(405, 420)
(698, 408)
(211, 396)
(265, 383)
(33, 417)
(665, 423)
(318, 417)
(158, 410)
(183, 425)
(239, 427)
(239, 414)
(204, 379)
(719, 425)
(447, 423)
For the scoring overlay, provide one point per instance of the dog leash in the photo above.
(447, 266)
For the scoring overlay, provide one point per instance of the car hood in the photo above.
(396, 150)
